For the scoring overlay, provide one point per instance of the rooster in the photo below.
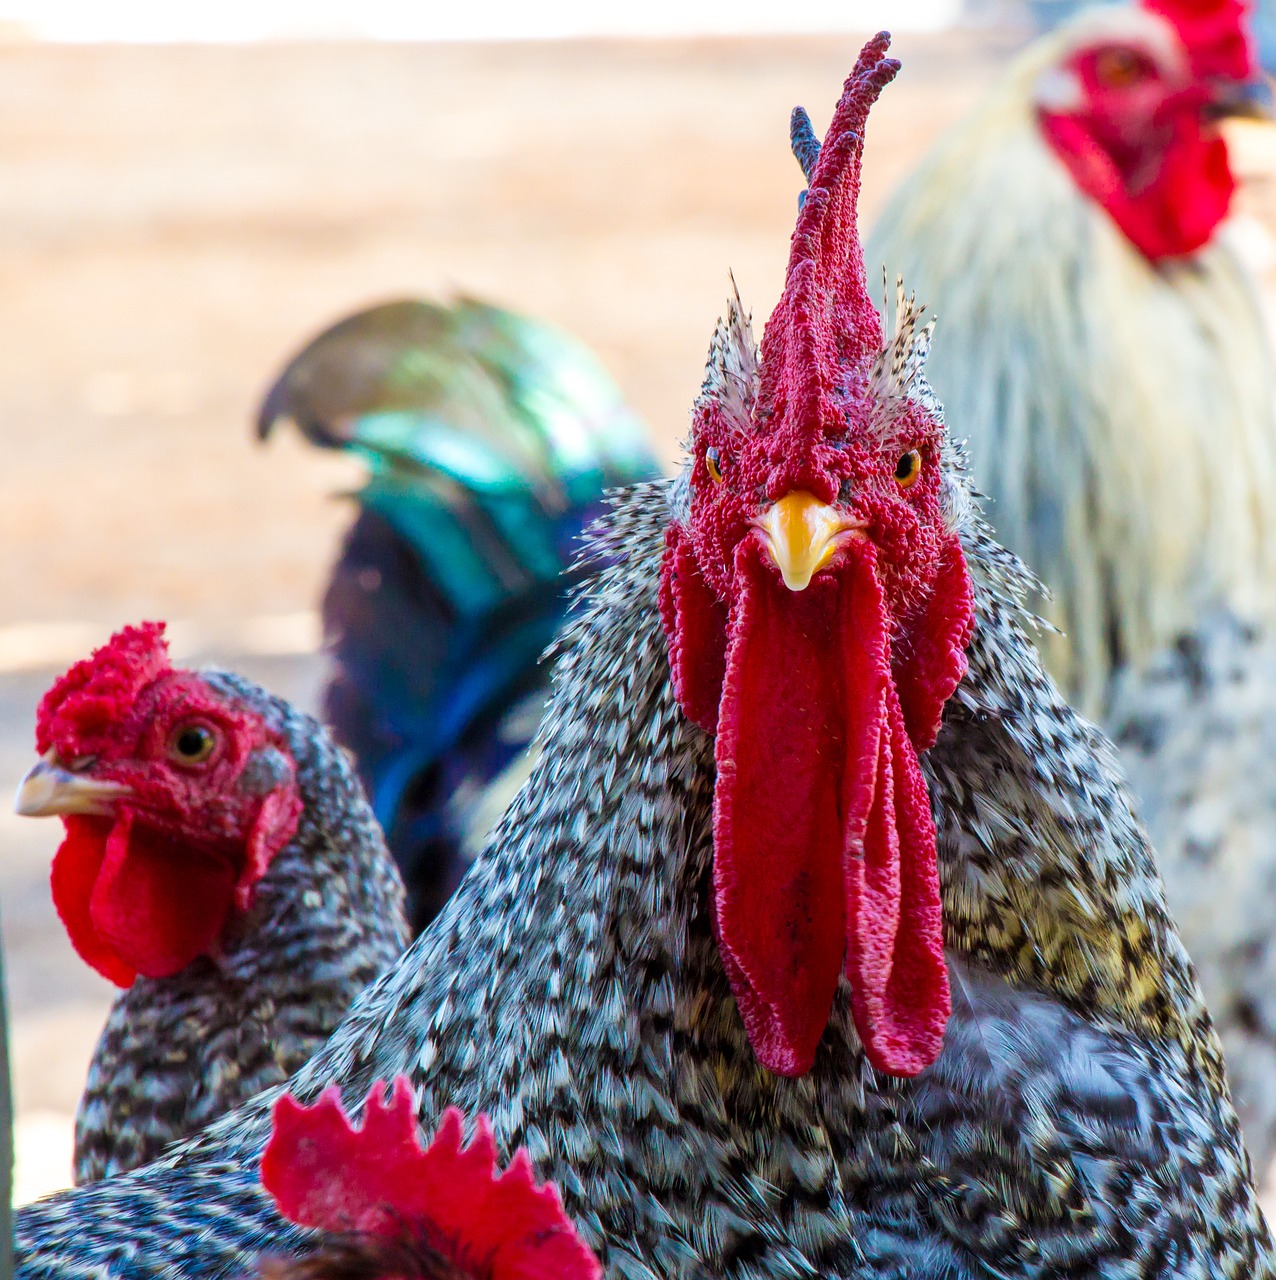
(221, 865)
(1106, 356)
(394, 1211)
(490, 439)
(822, 940)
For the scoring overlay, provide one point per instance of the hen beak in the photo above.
(802, 535)
(50, 789)
(1247, 100)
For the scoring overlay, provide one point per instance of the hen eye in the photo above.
(192, 744)
(908, 468)
(713, 464)
(1118, 68)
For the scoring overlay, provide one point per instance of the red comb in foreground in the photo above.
(1213, 32)
(77, 712)
(324, 1173)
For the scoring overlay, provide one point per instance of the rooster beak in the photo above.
(51, 789)
(1247, 100)
(802, 535)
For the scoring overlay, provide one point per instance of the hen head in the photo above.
(399, 1211)
(817, 606)
(1130, 107)
(175, 801)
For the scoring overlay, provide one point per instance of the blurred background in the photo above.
(190, 191)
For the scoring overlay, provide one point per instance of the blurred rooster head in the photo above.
(817, 607)
(1130, 105)
(395, 1210)
(175, 800)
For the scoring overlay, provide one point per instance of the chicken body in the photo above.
(1120, 418)
(327, 918)
(1076, 1120)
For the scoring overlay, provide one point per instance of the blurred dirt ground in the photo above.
(177, 219)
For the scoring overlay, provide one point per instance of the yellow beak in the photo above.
(802, 536)
(49, 789)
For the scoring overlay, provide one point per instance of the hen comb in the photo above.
(76, 714)
(1214, 33)
(825, 333)
(324, 1173)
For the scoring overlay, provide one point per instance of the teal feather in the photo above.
(489, 440)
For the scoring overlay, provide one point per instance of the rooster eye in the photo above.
(192, 744)
(1118, 68)
(908, 468)
(713, 464)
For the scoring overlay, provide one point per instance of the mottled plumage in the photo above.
(1120, 417)
(1076, 1121)
(177, 1053)
(490, 438)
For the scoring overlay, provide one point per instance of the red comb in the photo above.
(1213, 32)
(825, 333)
(77, 712)
(324, 1173)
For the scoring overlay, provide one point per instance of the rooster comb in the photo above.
(1213, 32)
(825, 333)
(78, 710)
(378, 1179)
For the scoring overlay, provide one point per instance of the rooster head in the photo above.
(401, 1211)
(1130, 104)
(174, 801)
(817, 607)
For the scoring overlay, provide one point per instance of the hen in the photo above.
(390, 1210)
(221, 865)
(490, 438)
(798, 744)
(1105, 353)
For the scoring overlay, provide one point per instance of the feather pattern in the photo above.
(1076, 1120)
(490, 438)
(731, 371)
(176, 1053)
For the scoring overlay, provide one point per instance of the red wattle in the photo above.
(133, 903)
(157, 903)
(780, 751)
(695, 622)
(824, 847)
(76, 866)
(1174, 214)
(895, 921)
